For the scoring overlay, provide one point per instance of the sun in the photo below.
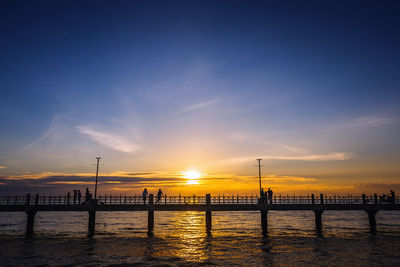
(192, 177)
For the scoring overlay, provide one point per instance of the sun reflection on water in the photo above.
(191, 235)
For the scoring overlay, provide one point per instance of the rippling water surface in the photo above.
(180, 239)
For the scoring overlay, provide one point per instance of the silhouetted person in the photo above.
(87, 196)
(68, 197)
(159, 195)
(392, 197)
(383, 198)
(75, 196)
(270, 193)
(144, 195)
(263, 196)
(79, 196)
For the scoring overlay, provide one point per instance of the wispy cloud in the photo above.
(307, 157)
(315, 157)
(109, 140)
(3, 167)
(55, 133)
(201, 105)
(366, 121)
(372, 121)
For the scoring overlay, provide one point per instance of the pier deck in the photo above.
(33, 204)
(202, 207)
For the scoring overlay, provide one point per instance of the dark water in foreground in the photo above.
(180, 239)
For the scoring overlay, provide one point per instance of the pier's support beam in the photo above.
(30, 212)
(92, 217)
(264, 220)
(371, 218)
(208, 213)
(30, 221)
(92, 222)
(318, 219)
(150, 220)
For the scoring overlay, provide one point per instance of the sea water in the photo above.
(180, 239)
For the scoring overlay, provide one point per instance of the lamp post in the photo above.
(259, 172)
(97, 175)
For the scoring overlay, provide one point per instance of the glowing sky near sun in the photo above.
(161, 90)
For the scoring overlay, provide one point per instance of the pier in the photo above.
(318, 204)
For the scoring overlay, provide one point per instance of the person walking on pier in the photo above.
(87, 196)
(75, 195)
(144, 195)
(270, 193)
(392, 197)
(159, 195)
(79, 196)
(263, 196)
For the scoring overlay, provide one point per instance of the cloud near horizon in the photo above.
(175, 183)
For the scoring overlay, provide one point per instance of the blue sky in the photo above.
(312, 87)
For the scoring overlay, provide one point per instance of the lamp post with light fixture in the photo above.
(97, 175)
(259, 172)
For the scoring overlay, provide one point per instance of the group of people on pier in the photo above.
(266, 196)
(77, 197)
(391, 198)
(159, 195)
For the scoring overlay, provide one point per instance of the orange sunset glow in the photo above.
(200, 133)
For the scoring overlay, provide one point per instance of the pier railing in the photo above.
(193, 199)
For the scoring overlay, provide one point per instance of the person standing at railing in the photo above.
(75, 195)
(263, 196)
(79, 196)
(159, 195)
(68, 197)
(87, 196)
(270, 193)
(392, 196)
(144, 195)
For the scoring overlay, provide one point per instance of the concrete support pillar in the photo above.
(30, 212)
(264, 220)
(92, 217)
(92, 223)
(28, 200)
(318, 219)
(208, 213)
(30, 221)
(371, 218)
(150, 219)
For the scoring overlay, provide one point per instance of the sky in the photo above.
(158, 89)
